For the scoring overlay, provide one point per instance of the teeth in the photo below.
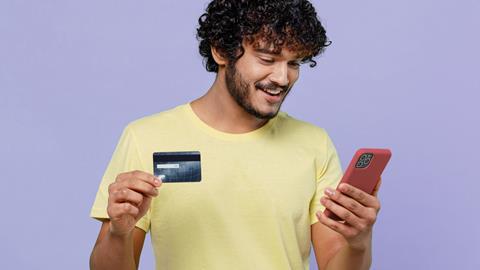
(273, 92)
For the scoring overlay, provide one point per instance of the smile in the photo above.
(272, 92)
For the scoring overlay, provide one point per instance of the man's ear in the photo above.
(219, 59)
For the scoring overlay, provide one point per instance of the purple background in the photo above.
(400, 74)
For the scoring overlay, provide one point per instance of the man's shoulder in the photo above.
(294, 125)
(167, 118)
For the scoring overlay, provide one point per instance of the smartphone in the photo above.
(364, 171)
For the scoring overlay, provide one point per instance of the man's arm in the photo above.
(332, 250)
(117, 252)
(119, 242)
(345, 245)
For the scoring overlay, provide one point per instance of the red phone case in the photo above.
(364, 171)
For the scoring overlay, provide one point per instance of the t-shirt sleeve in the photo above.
(125, 158)
(328, 174)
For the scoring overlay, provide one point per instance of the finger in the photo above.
(138, 186)
(347, 202)
(358, 194)
(339, 227)
(341, 212)
(141, 187)
(141, 175)
(136, 181)
(147, 177)
(117, 210)
(126, 195)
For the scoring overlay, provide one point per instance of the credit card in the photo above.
(174, 167)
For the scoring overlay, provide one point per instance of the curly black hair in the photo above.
(291, 24)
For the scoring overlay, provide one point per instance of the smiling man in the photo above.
(266, 177)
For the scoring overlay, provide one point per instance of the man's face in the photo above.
(260, 80)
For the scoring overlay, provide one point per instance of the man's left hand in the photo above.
(357, 208)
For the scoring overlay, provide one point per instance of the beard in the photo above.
(239, 90)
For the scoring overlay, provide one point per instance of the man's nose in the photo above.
(280, 75)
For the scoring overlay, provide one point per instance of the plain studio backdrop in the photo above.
(399, 74)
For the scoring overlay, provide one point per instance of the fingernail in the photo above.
(330, 192)
(158, 180)
(323, 200)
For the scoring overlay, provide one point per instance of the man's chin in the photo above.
(267, 113)
(269, 116)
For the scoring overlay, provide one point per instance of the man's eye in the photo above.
(295, 64)
(268, 61)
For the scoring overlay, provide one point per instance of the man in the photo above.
(266, 177)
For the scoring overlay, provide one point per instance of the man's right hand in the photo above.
(129, 198)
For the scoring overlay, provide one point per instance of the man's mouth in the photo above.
(271, 92)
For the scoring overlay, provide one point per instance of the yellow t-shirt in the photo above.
(255, 203)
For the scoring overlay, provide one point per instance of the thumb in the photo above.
(377, 187)
(143, 207)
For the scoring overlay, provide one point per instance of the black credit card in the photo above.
(177, 166)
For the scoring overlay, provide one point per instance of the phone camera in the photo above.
(364, 160)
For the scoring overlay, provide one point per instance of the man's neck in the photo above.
(219, 110)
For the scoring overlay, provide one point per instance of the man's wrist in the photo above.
(358, 248)
(357, 257)
(119, 236)
(362, 245)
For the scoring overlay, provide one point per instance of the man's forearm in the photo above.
(113, 252)
(348, 258)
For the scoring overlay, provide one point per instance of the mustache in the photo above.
(271, 86)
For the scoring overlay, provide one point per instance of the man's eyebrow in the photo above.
(272, 52)
(267, 51)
